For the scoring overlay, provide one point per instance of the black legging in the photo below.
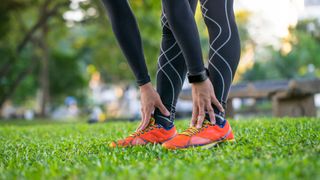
(224, 54)
(125, 28)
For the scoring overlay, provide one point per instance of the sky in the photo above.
(270, 18)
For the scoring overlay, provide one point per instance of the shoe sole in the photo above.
(216, 143)
(204, 146)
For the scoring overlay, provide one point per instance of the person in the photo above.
(180, 56)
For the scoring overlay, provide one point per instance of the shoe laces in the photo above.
(193, 130)
(152, 125)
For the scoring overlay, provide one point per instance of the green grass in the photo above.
(265, 149)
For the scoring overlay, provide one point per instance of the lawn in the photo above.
(265, 149)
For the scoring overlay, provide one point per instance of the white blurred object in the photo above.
(8, 110)
(29, 115)
(65, 112)
(95, 114)
(236, 103)
(317, 100)
(249, 101)
(184, 106)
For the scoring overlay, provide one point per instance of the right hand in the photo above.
(150, 100)
(203, 98)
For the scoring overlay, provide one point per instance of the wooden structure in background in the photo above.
(292, 98)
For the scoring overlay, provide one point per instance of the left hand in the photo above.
(150, 100)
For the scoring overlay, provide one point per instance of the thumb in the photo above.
(163, 109)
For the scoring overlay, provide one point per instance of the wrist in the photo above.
(146, 87)
(143, 81)
(199, 77)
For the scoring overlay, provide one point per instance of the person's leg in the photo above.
(223, 61)
(224, 51)
(183, 26)
(171, 72)
(126, 30)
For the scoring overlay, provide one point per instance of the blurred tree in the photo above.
(298, 56)
(45, 47)
(98, 40)
(29, 23)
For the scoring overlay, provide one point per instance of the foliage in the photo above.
(298, 58)
(265, 149)
(242, 18)
(73, 45)
(20, 64)
(101, 44)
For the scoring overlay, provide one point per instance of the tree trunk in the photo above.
(15, 84)
(44, 71)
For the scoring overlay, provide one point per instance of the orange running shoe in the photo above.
(207, 136)
(153, 133)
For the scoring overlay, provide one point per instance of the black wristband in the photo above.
(202, 76)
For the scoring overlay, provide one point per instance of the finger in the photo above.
(194, 117)
(141, 122)
(163, 109)
(211, 114)
(146, 120)
(217, 103)
(200, 116)
(149, 113)
(144, 124)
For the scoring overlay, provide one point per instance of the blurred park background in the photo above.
(60, 60)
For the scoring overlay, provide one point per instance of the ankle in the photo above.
(165, 122)
(220, 119)
(166, 126)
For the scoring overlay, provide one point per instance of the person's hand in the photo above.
(150, 100)
(203, 97)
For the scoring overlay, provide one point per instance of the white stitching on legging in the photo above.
(204, 14)
(172, 91)
(170, 84)
(229, 37)
(169, 62)
(229, 28)
(210, 63)
(163, 53)
(211, 44)
(165, 23)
